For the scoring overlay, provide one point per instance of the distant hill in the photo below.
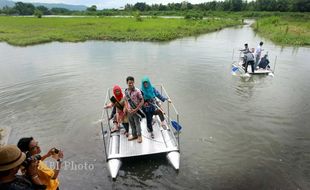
(8, 3)
(48, 5)
(61, 5)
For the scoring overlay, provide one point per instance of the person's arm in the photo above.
(126, 107)
(58, 166)
(159, 96)
(110, 105)
(48, 154)
(140, 104)
(32, 172)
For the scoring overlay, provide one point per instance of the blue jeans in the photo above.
(149, 118)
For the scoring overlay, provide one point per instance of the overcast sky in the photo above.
(110, 3)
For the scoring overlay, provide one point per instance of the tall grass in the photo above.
(24, 31)
(285, 30)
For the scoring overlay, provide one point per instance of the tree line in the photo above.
(21, 8)
(227, 5)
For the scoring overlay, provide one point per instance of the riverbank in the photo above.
(285, 30)
(23, 31)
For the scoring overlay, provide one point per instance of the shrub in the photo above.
(38, 13)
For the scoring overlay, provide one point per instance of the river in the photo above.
(237, 133)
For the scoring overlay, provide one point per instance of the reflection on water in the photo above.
(237, 133)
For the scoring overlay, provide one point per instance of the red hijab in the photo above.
(120, 96)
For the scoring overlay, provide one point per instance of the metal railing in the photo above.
(175, 111)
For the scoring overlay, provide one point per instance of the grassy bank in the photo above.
(24, 31)
(285, 30)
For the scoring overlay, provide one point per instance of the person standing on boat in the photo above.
(133, 104)
(246, 49)
(118, 101)
(249, 60)
(150, 106)
(258, 52)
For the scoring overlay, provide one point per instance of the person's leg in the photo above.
(112, 113)
(126, 126)
(256, 61)
(246, 67)
(138, 127)
(253, 67)
(162, 118)
(133, 127)
(160, 114)
(149, 118)
(117, 123)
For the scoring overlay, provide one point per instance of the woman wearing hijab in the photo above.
(150, 107)
(118, 101)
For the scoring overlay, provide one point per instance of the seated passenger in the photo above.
(264, 62)
(118, 102)
(150, 106)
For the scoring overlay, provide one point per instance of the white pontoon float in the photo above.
(117, 146)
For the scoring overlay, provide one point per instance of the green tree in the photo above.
(236, 5)
(301, 5)
(140, 6)
(93, 8)
(283, 5)
(24, 8)
(58, 11)
(9, 10)
(44, 10)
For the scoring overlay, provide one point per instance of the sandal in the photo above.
(164, 126)
(114, 129)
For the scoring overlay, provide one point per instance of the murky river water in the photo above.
(237, 133)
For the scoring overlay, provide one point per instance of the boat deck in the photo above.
(257, 72)
(163, 141)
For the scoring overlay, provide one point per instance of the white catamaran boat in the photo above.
(237, 66)
(166, 140)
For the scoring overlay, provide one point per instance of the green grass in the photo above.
(23, 31)
(285, 30)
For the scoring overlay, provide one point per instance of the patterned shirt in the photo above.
(135, 95)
